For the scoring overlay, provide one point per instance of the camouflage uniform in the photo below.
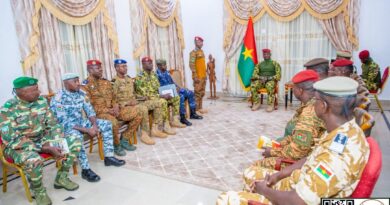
(304, 137)
(269, 70)
(123, 94)
(24, 128)
(371, 74)
(362, 91)
(147, 85)
(68, 108)
(198, 67)
(326, 173)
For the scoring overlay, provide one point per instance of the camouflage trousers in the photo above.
(268, 85)
(175, 104)
(268, 163)
(159, 108)
(200, 89)
(134, 115)
(250, 175)
(105, 128)
(186, 94)
(32, 163)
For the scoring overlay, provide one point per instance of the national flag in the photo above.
(248, 57)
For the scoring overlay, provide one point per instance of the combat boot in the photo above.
(157, 133)
(256, 106)
(270, 108)
(62, 181)
(167, 129)
(146, 139)
(176, 122)
(41, 197)
(184, 120)
(195, 116)
(118, 150)
(127, 146)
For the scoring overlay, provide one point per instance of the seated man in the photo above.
(27, 128)
(146, 86)
(334, 167)
(165, 79)
(306, 127)
(100, 92)
(266, 75)
(319, 65)
(345, 68)
(68, 106)
(131, 108)
(371, 72)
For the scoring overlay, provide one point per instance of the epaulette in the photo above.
(85, 82)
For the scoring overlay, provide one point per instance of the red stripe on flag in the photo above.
(324, 169)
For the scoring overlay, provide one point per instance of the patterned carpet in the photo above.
(214, 151)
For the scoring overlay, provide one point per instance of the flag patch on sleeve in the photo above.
(324, 172)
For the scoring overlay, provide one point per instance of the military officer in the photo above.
(266, 75)
(101, 95)
(68, 105)
(198, 69)
(305, 127)
(184, 94)
(147, 86)
(334, 167)
(371, 73)
(319, 65)
(28, 128)
(131, 108)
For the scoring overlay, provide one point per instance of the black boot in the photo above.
(89, 175)
(183, 120)
(194, 115)
(108, 161)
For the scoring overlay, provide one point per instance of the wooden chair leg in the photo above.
(135, 137)
(5, 178)
(100, 144)
(188, 109)
(378, 103)
(261, 98)
(90, 145)
(25, 184)
(75, 168)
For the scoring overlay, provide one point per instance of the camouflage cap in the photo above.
(68, 76)
(344, 54)
(337, 86)
(161, 61)
(24, 81)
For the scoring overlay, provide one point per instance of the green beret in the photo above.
(337, 86)
(24, 81)
(68, 76)
(161, 61)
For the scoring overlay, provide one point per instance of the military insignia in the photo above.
(7, 105)
(31, 82)
(93, 62)
(324, 172)
(21, 118)
(338, 143)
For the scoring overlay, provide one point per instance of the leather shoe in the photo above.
(195, 116)
(108, 161)
(89, 175)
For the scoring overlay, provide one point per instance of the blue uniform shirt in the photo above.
(164, 77)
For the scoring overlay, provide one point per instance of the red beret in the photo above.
(266, 50)
(342, 62)
(146, 59)
(305, 75)
(94, 62)
(364, 54)
(198, 38)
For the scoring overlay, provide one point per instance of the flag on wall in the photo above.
(248, 57)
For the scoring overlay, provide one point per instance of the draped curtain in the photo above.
(294, 27)
(50, 30)
(157, 31)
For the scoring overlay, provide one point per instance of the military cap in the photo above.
(94, 62)
(342, 62)
(161, 61)
(146, 59)
(198, 38)
(68, 76)
(337, 86)
(305, 75)
(364, 54)
(266, 50)
(345, 54)
(119, 61)
(316, 61)
(24, 81)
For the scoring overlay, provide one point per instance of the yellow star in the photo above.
(247, 53)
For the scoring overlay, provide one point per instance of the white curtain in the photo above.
(292, 43)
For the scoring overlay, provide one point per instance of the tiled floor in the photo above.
(209, 156)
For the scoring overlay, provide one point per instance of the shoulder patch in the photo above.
(85, 82)
(338, 143)
(324, 172)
